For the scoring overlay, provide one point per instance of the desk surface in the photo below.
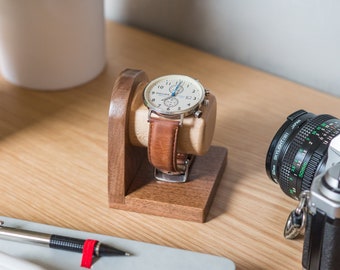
(53, 154)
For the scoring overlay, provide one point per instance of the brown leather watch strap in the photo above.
(162, 149)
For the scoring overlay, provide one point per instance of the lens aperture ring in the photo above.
(310, 126)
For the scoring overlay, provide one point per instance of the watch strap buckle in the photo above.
(175, 177)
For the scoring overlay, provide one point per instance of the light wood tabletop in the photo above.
(53, 154)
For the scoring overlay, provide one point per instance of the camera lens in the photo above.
(298, 151)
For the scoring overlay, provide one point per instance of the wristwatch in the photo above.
(169, 100)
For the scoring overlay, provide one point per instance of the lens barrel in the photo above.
(298, 151)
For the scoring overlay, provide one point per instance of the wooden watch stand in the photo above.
(131, 185)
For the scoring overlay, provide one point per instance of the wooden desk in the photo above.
(53, 154)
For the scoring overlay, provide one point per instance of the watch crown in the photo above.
(207, 92)
(198, 114)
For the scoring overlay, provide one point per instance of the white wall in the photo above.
(295, 39)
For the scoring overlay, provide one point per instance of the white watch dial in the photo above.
(173, 94)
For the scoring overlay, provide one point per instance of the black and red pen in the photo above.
(57, 241)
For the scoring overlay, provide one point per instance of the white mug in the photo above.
(51, 44)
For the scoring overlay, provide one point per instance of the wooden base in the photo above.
(187, 201)
(131, 184)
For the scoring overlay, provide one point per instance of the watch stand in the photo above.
(131, 184)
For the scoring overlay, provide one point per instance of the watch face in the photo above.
(173, 94)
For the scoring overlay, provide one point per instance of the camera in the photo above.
(304, 159)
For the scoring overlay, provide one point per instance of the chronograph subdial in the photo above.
(176, 89)
(170, 102)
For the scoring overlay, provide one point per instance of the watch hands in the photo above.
(176, 88)
(174, 92)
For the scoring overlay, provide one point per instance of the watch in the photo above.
(169, 100)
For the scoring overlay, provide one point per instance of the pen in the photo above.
(56, 241)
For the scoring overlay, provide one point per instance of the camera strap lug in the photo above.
(296, 221)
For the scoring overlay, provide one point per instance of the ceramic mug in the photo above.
(51, 44)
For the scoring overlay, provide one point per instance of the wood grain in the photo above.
(124, 159)
(53, 154)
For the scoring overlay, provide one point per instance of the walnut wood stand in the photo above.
(131, 185)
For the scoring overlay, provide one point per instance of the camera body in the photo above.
(322, 234)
